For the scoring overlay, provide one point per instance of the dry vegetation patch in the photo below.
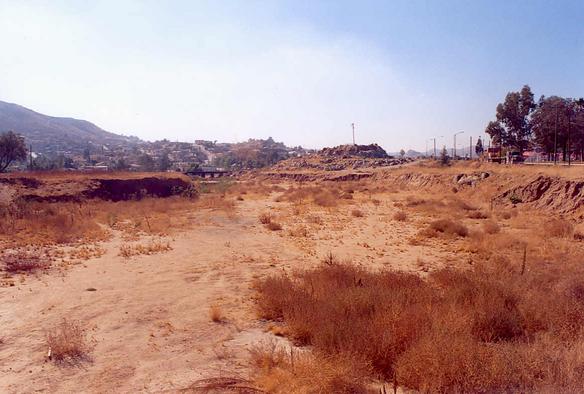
(67, 343)
(488, 329)
(25, 260)
(445, 227)
(357, 213)
(400, 216)
(153, 247)
(279, 370)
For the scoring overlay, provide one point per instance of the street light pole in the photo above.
(556, 138)
(454, 150)
(434, 139)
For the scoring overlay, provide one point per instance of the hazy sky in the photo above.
(299, 71)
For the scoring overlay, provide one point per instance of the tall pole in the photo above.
(470, 148)
(454, 149)
(434, 147)
(569, 148)
(556, 138)
(353, 126)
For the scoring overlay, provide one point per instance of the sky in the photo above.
(298, 71)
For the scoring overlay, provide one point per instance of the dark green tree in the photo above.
(479, 149)
(513, 127)
(146, 162)
(444, 158)
(12, 148)
(164, 162)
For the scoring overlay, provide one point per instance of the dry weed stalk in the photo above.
(67, 343)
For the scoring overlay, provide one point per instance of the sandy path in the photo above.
(149, 316)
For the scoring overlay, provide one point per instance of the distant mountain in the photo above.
(53, 135)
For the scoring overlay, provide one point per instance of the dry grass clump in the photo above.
(477, 214)
(67, 343)
(560, 228)
(153, 247)
(216, 313)
(274, 226)
(300, 232)
(46, 223)
(25, 261)
(265, 217)
(491, 227)
(281, 371)
(488, 329)
(446, 227)
(357, 213)
(400, 216)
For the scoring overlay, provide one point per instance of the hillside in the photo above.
(52, 135)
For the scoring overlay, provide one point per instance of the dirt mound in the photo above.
(128, 189)
(106, 188)
(346, 151)
(559, 195)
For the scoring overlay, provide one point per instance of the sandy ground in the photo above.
(149, 316)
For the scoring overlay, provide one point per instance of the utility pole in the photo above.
(353, 126)
(470, 148)
(434, 139)
(569, 148)
(556, 138)
(454, 149)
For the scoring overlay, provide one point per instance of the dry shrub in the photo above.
(153, 247)
(216, 313)
(491, 227)
(45, 223)
(487, 329)
(477, 215)
(279, 370)
(507, 214)
(447, 227)
(357, 213)
(25, 261)
(560, 228)
(67, 343)
(299, 232)
(400, 216)
(274, 226)
(265, 218)
(326, 198)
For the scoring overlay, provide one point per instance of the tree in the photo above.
(121, 164)
(497, 132)
(512, 127)
(164, 162)
(444, 159)
(12, 148)
(479, 149)
(555, 121)
(146, 162)
(402, 153)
